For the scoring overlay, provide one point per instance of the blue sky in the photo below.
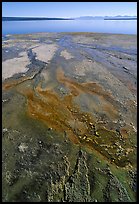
(68, 9)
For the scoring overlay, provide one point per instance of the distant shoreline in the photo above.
(31, 18)
(120, 19)
(43, 18)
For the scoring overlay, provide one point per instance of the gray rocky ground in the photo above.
(69, 111)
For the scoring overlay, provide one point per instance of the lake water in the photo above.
(102, 26)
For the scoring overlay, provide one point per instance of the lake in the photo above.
(102, 26)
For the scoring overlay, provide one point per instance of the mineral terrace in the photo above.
(69, 111)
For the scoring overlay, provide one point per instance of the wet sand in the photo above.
(77, 91)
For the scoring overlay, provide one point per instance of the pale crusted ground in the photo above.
(18, 64)
(107, 39)
(15, 66)
(45, 52)
(66, 54)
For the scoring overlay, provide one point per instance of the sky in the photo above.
(68, 9)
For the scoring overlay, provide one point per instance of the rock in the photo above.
(77, 188)
(5, 100)
(91, 124)
(125, 68)
(5, 130)
(22, 147)
(50, 128)
(96, 134)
